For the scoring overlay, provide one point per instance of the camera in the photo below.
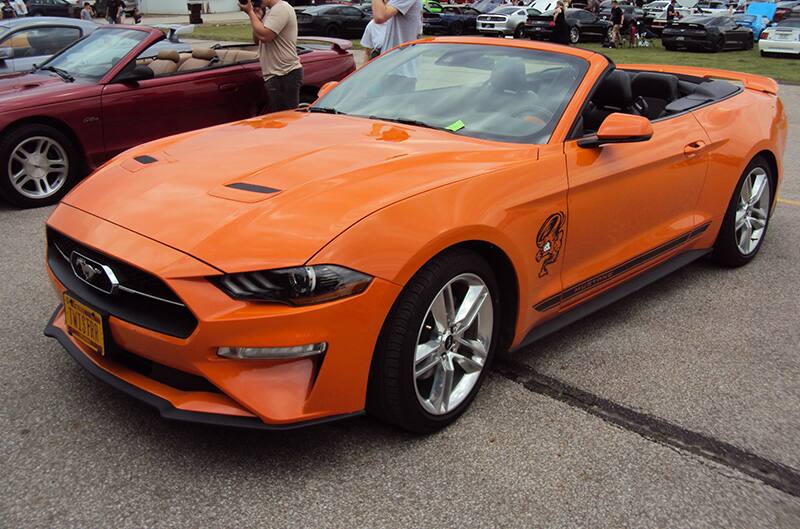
(256, 3)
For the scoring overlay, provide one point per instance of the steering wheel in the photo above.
(534, 113)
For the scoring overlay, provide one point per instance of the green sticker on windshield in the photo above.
(455, 127)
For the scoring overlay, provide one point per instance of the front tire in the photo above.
(38, 165)
(437, 344)
(519, 31)
(333, 30)
(747, 217)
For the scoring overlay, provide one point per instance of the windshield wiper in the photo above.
(324, 110)
(63, 74)
(405, 121)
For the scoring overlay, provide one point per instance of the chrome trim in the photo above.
(118, 285)
(136, 292)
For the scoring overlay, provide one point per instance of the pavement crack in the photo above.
(656, 429)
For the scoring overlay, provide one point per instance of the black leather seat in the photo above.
(657, 89)
(613, 95)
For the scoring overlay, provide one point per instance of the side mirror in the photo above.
(139, 72)
(6, 53)
(619, 128)
(327, 87)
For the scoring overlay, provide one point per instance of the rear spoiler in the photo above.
(337, 45)
(750, 81)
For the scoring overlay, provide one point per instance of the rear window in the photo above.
(789, 23)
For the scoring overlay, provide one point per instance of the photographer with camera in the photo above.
(275, 32)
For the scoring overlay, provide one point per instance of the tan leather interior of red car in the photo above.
(228, 57)
(166, 62)
(201, 58)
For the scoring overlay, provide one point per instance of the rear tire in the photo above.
(332, 30)
(746, 220)
(38, 165)
(457, 28)
(420, 344)
(574, 35)
(749, 44)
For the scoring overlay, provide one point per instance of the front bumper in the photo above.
(494, 28)
(254, 393)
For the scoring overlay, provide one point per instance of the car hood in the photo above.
(272, 191)
(762, 9)
(23, 90)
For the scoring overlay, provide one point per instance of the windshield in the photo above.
(505, 10)
(95, 55)
(491, 92)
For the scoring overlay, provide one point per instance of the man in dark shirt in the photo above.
(671, 12)
(617, 18)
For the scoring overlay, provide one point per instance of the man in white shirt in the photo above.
(372, 41)
(403, 19)
(20, 8)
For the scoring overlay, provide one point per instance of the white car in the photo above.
(652, 9)
(504, 20)
(660, 19)
(783, 38)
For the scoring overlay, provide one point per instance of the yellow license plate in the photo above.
(84, 324)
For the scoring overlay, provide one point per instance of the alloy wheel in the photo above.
(574, 35)
(752, 210)
(453, 344)
(38, 167)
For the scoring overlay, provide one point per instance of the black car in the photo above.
(707, 32)
(53, 8)
(583, 25)
(453, 20)
(332, 20)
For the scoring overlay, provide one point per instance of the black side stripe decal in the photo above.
(603, 277)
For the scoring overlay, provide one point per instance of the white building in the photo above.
(178, 7)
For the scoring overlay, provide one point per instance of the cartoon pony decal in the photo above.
(549, 240)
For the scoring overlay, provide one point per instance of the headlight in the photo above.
(302, 285)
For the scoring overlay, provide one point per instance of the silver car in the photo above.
(28, 41)
(504, 20)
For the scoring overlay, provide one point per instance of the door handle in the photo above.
(230, 87)
(693, 148)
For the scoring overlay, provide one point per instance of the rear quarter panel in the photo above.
(739, 128)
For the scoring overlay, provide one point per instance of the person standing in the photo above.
(20, 8)
(561, 30)
(671, 12)
(276, 35)
(113, 11)
(617, 19)
(86, 12)
(403, 19)
(372, 40)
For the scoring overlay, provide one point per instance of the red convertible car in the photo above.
(123, 86)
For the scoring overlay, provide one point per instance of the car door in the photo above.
(354, 20)
(35, 45)
(134, 113)
(628, 203)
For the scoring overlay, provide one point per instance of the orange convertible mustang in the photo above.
(452, 199)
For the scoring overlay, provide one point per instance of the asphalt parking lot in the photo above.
(676, 407)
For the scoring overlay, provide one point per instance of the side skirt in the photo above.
(612, 295)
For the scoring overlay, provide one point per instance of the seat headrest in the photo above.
(509, 76)
(659, 85)
(168, 55)
(614, 91)
(205, 54)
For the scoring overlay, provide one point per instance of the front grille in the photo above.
(142, 298)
